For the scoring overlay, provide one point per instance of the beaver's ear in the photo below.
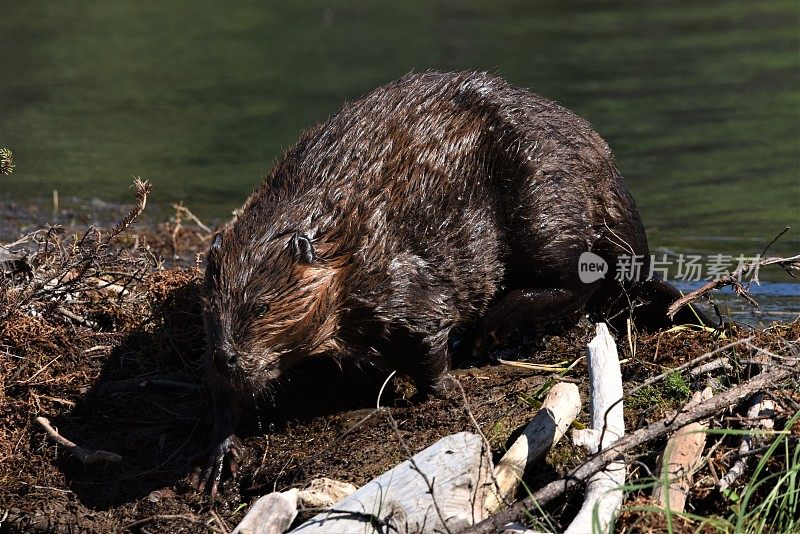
(216, 242)
(302, 249)
(212, 269)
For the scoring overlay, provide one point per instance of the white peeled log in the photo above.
(547, 427)
(441, 489)
(713, 365)
(270, 514)
(681, 458)
(324, 493)
(604, 495)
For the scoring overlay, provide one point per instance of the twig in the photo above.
(764, 364)
(41, 369)
(734, 280)
(111, 286)
(533, 366)
(221, 522)
(485, 454)
(57, 399)
(77, 318)
(470, 415)
(180, 209)
(774, 239)
(660, 428)
(722, 281)
(759, 405)
(143, 188)
(86, 456)
(133, 384)
(97, 348)
(50, 488)
(690, 363)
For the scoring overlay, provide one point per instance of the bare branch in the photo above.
(143, 188)
(86, 456)
(735, 280)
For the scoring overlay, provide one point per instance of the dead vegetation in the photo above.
(101, 335)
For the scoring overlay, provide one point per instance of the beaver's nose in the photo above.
(226, 358)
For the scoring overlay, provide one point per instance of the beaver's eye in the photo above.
(261, 310)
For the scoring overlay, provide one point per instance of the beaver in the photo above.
(438, 204)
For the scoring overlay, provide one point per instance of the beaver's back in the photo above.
(435, 203)
(459, 166)
(443, 191)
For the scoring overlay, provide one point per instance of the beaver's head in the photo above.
(269, 302)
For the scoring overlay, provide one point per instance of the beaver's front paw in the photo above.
(484, 346)
(211, 464)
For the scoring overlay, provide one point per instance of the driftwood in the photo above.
(324, 493)
(604, 495)
(440, 489)
(681, 458)
(270, 514)
(731, 397)
(713, 365)
(547, 427)
(275, 512)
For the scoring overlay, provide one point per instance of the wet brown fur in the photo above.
(435, 203)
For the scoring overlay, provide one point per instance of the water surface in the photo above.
(699, 100)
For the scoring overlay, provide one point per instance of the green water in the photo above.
(699, 100)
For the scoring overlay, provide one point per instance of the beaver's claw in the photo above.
(212, 463)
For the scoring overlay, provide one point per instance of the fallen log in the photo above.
(441, 489)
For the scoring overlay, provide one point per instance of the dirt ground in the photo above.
(123, 375)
